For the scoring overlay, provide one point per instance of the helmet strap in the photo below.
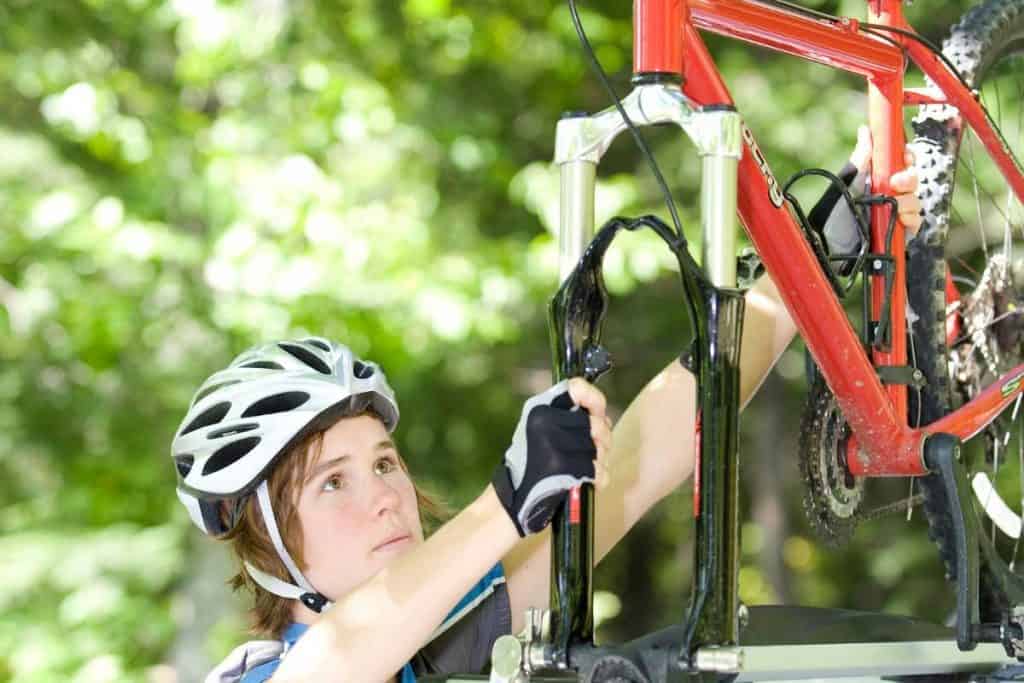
(303, 592)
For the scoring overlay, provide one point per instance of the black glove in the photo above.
(834, 217)
(551, 452)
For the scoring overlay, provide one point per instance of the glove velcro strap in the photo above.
(502, 482)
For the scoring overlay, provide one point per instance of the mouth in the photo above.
(396, 541)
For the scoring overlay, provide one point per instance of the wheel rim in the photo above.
(985, 328)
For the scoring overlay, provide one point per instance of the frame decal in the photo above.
(774, 193)
(1012, 385)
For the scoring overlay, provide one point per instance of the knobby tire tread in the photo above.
(978, 40)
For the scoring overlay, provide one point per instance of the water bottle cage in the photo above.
(842, 270)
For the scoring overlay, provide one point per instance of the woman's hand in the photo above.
(590, 398)
(556, 446)
(903, 183)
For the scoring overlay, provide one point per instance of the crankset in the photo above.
(833, 497)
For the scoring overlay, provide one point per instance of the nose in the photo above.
(383, 496)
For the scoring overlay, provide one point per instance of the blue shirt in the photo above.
(478, 592)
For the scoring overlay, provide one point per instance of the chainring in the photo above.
(832, 495)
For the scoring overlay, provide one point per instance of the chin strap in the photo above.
(303, 592)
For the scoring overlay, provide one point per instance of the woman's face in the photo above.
(357, 507)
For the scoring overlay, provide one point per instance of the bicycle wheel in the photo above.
(974, 227)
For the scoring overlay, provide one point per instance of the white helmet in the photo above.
(246, 416)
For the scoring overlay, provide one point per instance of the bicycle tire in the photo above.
(986, 36)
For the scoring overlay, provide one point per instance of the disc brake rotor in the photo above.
(992, 320)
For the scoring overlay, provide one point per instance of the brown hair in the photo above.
(251, 543)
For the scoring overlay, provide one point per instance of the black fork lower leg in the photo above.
(713, 617)
(572, 591)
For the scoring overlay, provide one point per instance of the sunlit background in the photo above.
(181, 179)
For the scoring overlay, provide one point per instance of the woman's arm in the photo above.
(373, 631)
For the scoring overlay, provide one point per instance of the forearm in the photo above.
(768, 330)
(652, 454)
(373, 631)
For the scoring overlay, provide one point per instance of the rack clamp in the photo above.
(1011, 633)
(879, 264)
(748, 268)
(884, 266)
(901, 374)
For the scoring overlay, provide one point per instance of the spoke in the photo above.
(994, 440)
(977, 200)
(1020, 459)
(961, 280)
(995, 461)
(992, 322)
(1020, 131)
(1020, 103)
(1007, 228)
(1010, 195)
(1007, 225)
(999, 103)
(966, 266)
(1020, 106)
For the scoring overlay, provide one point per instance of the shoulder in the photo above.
(257, 657)
(492, 582)
(262, 672)
(266, 669)
(462, 644)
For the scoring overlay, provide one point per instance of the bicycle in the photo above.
(895, 401)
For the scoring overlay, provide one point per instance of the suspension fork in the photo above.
(711, 628)
(717, 310)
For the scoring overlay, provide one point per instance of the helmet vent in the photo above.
(232, 430)
(229, 454)
(306, 356)
(278, 403)
(184, 464)
(362, 370)
(319, 343)
(210, 416)
(263, 364)
(210, 389)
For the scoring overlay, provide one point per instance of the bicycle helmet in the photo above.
(243, 418)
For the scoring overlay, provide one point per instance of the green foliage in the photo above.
(182, 179)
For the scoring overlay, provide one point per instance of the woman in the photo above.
(287, 454)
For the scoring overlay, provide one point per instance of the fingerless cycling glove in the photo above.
(551, 452)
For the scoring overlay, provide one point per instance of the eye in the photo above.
(335, 482)
(385, 466)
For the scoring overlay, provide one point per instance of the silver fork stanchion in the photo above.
(719, 142)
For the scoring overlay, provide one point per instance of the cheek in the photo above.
(329, 527)
(411, 508)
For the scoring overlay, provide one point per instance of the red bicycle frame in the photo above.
(666, 41)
